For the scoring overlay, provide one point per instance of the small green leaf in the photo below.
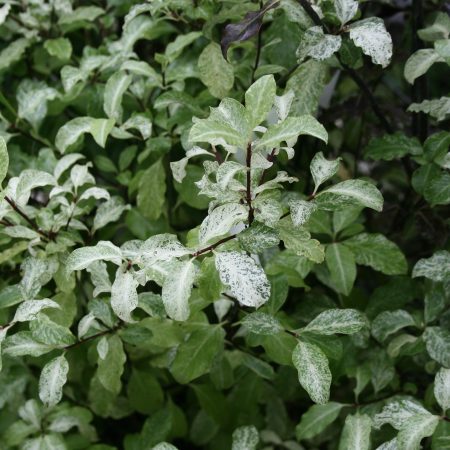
(60, 48)
(152, 190)
(259, 99)
(115, 87)
(342, 267)
(317, 419)
(356, 433)
(4, 160)
(323, 169)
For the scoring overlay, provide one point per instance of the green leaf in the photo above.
(221, 220)
(322, 169)
(13, 52)
(436, 268)
(60, 48)
(356, 433)
(82, 257)
(177, 289)
(215, 72)
(245, 438)
(4, 160)
(289, 130)
(391, 146)
(350, 193)
(333, 321)
(262, 323)
(110, 368)
(378, 252)
(437, 341)
(48, 332)
(419, 63)
(152, 190)
(342, 267)
(398, 412)
(373, 39)
(100, 129)
(316, 419)
(194, 357)
(174, 49)
(318, 45)
(437, 191)
(415, 429)
(115, 87)
(313, 371)
(124, 297)
(259, 99)
(23, 343)
(107, 212)
(162, 247)
(246, 280)
(53, 378)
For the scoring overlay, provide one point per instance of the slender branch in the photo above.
(213, 246)
(258, 52)
(31, 222)
(251, 212)
(90, 338)
(351, 72)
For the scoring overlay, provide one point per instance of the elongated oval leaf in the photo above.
(53, 378)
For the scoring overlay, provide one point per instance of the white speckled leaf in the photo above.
(419, 63)
(350, 193)
(220, 221)
(389, 445)
(331, 321)
(52, 379)
(415, 429)
(301, 211)
(389, 322)
(442, 388)
(437, 341)
(246, 279)
(436, 268)
(4, 160)
(104, 251)
(373, 39)
(322, 169)
(162, 247)
(262, 323)
(397, 412)
(356, 433)
(29, 309)
(115, 87)
(245, 438)
(177, 289)
(318, 45)
(345, 10)
(313, 371)
(124, 297)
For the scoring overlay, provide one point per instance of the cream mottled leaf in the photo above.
(109, 211)
(373, 39)
(436, 268)
(389, 322)
(345, 10)
(245, 438)
(415, 429)
(316, 419)
(115, 87)
(124, 297)
(262, 323)
(215, 72)
(69, 133)
(342, 267)
(437, 341)
(29, 309)
(82, 257)
(419, 63)
(313, 371)
(356, 433)
(23, 343)
(442, 388)
(331, 321)
(52, 380)
(301, 211)
(398, 412)
(244, 277)
(162, 247)
(259, 99)
(177, 289)
(100, 129)
(221, 220)
(4, 160)
(318, 45)
(350, 193)
(323, 169)
(290, 129)
(439, 108)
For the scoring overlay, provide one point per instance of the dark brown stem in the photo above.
(251, 212)
(31, 222)
(258, 52)
(351, 72)
(213, 246)
(90, 338)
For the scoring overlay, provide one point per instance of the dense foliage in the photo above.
(224, 225)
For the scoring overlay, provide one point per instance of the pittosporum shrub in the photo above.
(224, 225)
